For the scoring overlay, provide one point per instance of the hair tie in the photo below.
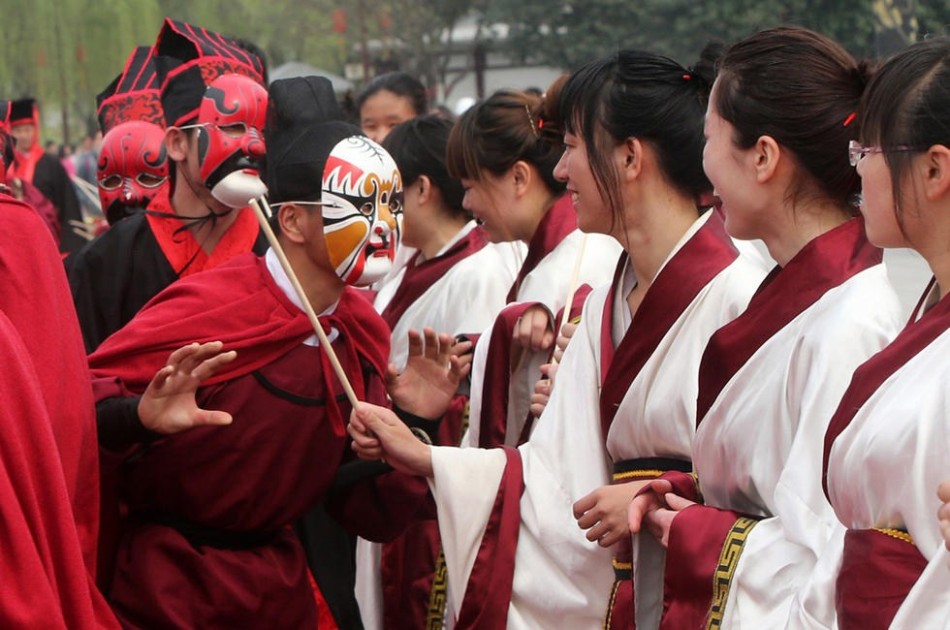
(849, 119)
(687, 76)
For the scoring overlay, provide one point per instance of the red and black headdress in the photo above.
(133, 95)
(188, 59)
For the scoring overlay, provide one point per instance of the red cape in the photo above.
(50, 464)
(239, 304)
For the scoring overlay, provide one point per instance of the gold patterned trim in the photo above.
(466, 417)
(637, 474)
(895, 533)
(728, 560)
(574, 320)
(608, 619)
(435, 614)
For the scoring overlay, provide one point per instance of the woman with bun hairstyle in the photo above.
(887, 444)
(504, 151)
(780, 117)
(632, 164)
(457, 282)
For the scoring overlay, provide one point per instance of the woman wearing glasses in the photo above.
(886, 447)
(779, 121)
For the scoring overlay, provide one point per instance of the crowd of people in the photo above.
(518, 369)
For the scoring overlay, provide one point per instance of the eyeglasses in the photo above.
(325, 204)
(233, 130)
(857, 151)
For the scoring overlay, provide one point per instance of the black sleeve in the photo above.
(53, 181)
(118, 424)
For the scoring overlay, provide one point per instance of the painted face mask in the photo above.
(361, 191)
(133, 167)
(230, 144)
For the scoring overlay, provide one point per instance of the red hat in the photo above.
(188, 58)
(133, 95)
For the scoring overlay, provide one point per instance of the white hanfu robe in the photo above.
(464, 297)
(885, 465)
(758, 448)
(464, 300)
(546, 283)
(560, 579)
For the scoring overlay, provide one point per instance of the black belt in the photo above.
(200, 535)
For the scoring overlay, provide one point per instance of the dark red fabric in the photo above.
(239, 304)
(877, 572)
(184, 252)
(408, 563)
(488, 594)
(702, 257)
(286, 442)
(695, 544)
(46, 579)
(866, 380)
(824, 263)
(493, 419)
(622, 612)
(35, 296)
(554, 227)
(419, 278)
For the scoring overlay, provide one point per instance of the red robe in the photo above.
(34, 299)
(208, 541)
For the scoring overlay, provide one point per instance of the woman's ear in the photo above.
(522, 176)
(937, 180)
(631, 158)
(767, 157)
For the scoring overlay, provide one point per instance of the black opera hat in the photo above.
(133, 95)
(304, 124)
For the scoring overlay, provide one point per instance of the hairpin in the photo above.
(534, 129)
(849, 119)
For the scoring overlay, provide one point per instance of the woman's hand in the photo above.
(563, 338)
(379, 434)
(542, 389)
(168, 404)
(433, 371)
(603, 512)
(660, 521)
(943, 493)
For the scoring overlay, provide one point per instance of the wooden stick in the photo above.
(321, 335)
(571, 289)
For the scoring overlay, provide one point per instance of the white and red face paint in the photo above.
(132, 168)
(361, 191)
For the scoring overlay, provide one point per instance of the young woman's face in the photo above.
(382, 111)
(732, 173)
(574, 169)
(491, 200)
(877, 202)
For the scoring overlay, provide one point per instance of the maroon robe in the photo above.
(208, 541)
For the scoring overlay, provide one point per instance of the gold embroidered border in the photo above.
(435, 614)
(466, 417)
(637, 474)
(608, 620)
(728, 560)
(574, 320)
(895, 533)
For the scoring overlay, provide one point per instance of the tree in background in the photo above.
(64, 52)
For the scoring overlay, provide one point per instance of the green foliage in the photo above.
(568, 33)
(66, 51)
